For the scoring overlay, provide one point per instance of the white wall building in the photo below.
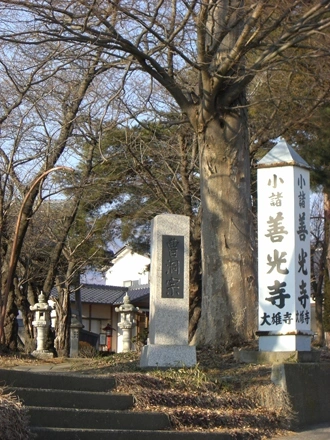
(128, 269)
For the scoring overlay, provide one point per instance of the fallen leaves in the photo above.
(223, 396)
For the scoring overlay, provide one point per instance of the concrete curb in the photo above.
(77, 434)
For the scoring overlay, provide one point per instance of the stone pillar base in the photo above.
(42, 354)
(275, 357)
(167, 356)
(285, 342)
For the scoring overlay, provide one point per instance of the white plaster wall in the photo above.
(128, 267)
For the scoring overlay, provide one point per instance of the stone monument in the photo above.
(284, 251)
(169, 295)
(42, 323)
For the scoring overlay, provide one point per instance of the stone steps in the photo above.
(57, 380)
(73, 399)
(80, 407)
(87, 418)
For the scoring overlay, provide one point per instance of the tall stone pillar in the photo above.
(284, 251)
(169, 295)
(75, 327)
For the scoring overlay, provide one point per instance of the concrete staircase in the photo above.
(80, 407)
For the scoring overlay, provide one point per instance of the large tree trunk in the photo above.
(318, 283)
(229, 300)
(11, 324)
(319, 338)
(195, 277)
(326, 312)
(229, 275)
(63, 313)
(319, 276)
(63, 321)
(26, 297)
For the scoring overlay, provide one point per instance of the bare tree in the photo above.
(205, 54)
(38, 125)
(318, 252)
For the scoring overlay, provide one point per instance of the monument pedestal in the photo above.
(43, 354)
(275, 357)
(295, 341)
(166, 356)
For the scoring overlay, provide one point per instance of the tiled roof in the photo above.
(101, 294)
(98, 294)
(135, 294)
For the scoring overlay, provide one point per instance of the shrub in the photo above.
(86, 350)
(14, 419)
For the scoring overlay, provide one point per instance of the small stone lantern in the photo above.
(42, 323)
(127, 311)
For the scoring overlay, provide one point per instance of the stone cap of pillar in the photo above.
(282, 155)
(75, 323)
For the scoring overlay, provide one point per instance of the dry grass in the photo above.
(14, 420)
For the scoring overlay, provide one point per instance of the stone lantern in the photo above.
(42, 323)
(127, 311)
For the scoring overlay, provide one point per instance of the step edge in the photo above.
(170, 433)
(59, 390)
(127, 411)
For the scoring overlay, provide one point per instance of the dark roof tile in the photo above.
(101, 294)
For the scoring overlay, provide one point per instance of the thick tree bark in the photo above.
(229, 300)
(326, 312)
(63, 320)
(195, 285)
(195, 277)
(319, 278)
(25, 298)
(19, 300)
(318, 291)
(63, 313)
(229, 274)
(319, 338)
(10, 324)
